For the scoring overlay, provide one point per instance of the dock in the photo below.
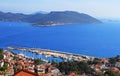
(48, 53)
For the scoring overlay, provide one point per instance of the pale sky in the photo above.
(96, 8)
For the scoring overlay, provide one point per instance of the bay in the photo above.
(99, 40)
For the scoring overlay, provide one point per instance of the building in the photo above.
(25, 73)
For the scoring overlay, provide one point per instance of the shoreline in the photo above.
(57, 54)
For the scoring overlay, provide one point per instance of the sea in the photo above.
(98, 40)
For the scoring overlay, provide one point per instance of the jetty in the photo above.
(48, 53)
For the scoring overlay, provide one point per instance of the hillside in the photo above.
(52, 18)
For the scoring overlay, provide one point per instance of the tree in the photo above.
(1, 54)
(98, 74)
(35, 69)
(112, 60)
(38, 61)
(111, 73)
(96, 61)
(53, 62)
(4, 69)
(84, 67)
(74, 66)
(1, 50)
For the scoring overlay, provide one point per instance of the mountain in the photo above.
(52, 18)
(11, 16)
(110, 20)
(42, 12)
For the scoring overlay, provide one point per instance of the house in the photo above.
(55, 72)
(115, 69)
(103, 67)
(117, 64)
(41, 69)
(25, 73)
(1, 63)
(71, 74)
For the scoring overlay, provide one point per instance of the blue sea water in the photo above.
(99, 40)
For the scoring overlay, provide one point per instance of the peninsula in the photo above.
(50, 19)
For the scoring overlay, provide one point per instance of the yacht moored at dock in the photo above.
(48, 53)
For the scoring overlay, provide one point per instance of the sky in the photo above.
(96, 8)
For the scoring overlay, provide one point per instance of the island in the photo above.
(50, 19)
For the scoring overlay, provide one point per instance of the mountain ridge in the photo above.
(49, 19)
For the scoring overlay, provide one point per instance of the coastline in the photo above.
(57, 54)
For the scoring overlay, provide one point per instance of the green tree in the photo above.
(96, 61)
(111, 73)
(38, 61)
(1, 54)
(1, 50)
(98, 74)
(84, 67)
(74, 66)
(4, 69)
(112, 60)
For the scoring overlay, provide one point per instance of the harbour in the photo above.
(57, 54)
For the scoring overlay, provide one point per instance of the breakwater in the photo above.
(48, 53)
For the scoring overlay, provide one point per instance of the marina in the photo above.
(57, 54)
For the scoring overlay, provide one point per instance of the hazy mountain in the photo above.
(11, 16)
(110, 20)
(42, 12)
(52, 18)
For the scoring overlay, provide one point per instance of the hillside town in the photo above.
(12, 64)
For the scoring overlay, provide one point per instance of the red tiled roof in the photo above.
(48, 74)
(25, 73)
(72, 74)
(115, 69)
(26, 64)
